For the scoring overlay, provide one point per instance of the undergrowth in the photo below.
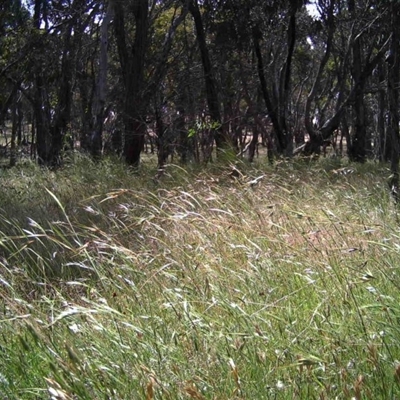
(227, 282)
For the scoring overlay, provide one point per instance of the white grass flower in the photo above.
(3, 380)
(280, 385)
(74, 328)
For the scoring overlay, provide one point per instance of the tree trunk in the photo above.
(253, 143)
(63, 110)
(137, 91)
(315, 140)
(184, 148)
(272, 110)
(101, 87)
(222, 140)
(382, 142)
(357, 147)
(286, 73)
(14, 129)
(41, 107)
(332, 124)
(162, 144)
(132, 67)
(393, 98)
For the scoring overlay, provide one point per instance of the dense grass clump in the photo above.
(231, 282)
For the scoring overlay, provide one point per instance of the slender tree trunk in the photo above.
(285, 81)
(86, 120)
(253, 143)
(33, 141)
(20, 114)
(272, 110)
(184, 148)
(221, 138)
(41, 109)
(14, 129)
(342, 103)
(162, 143)
(63, 109)
(101, 86)
(315, 140)
(381, 115)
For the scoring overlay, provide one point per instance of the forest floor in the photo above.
(272, 282)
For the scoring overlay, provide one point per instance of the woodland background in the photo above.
(182, 77)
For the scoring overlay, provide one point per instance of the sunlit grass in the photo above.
(245, 282)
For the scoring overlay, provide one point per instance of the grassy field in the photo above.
(275, 282)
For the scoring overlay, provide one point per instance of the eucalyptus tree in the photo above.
(99, 106)
(221, 135)
(275, 26)
(133, 28)
(14, 45)
(176, 104)
(56, 31)
(321, 37)
(357, 40)
(270, 30)
(369, 23)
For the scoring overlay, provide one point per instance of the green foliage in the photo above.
(268, 283)
(201, 126)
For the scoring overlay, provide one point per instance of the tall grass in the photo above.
(267, 283)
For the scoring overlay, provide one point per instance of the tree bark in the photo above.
(222, 140)
(132, 65)
(314, 137)
(357, 147)
(382, 142)
(278, 109)
(332, 124)
(41, 105)
(63, 109)
(393, 98)
(272, 110)
(14, 129)
(286, 73)
(100, 94)
(138, 91)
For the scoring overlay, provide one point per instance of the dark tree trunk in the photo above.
(42, 119)
(315, 140)
(132, 66)
(253, 143)
(86, 120)
(137, 91)
(41, 107)
(221, 138)
(101, 87)
(283, 101)
(393, 97)
(278, 107)
(357, 147)
(63, 109)
(332, 124)
(184, 141)
(19, 121)
(272, 110)
(14, 130)
(162, 144)
(382, 142)
(135, 130)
